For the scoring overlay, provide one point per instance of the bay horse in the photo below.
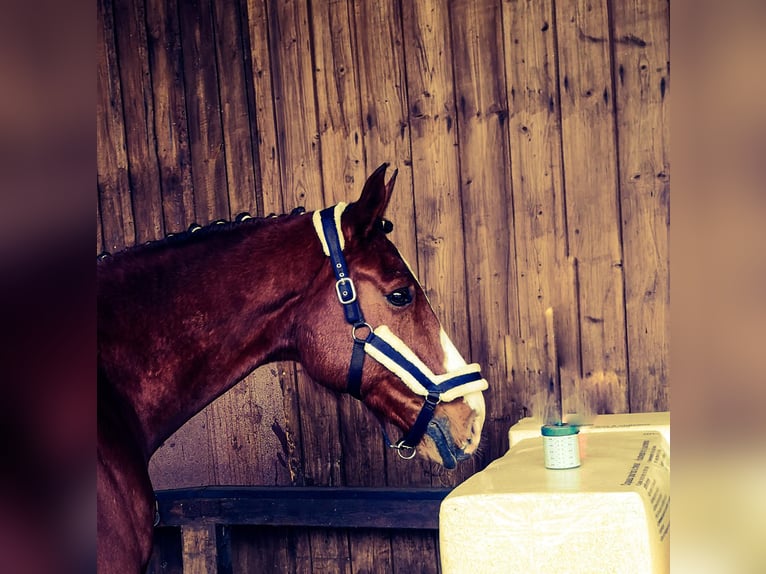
(181, 320)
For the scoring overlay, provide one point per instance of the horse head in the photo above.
(366, 303)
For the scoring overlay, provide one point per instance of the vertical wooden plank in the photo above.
(200, 553)
(294, 104)
(269, 549)
(385, 119)
(487, 202)
(370, 551)
(116, 210)
(203, 111)
(138, 106)
(344, 172)
(385, 116)
(338, 115)
(170, 121)
(433, 121)
(252, 106)
(589, 153)
(642, 87)
(330, 551)
(539, 210)
(266, 132)
(415, 551)
(235, 114)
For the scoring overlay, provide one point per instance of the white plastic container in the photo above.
(561, 449)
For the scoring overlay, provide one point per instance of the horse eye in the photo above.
(400, 297)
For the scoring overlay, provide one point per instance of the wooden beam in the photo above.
(199, 548)
(395, 508)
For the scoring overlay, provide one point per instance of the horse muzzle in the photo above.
(439, 432)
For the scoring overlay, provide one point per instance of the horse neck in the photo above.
(190, 321)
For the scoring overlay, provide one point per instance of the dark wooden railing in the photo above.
(205, 515)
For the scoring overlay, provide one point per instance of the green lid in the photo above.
(559, 429)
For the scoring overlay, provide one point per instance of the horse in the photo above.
(183, 319)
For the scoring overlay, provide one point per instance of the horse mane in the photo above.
(195, 232)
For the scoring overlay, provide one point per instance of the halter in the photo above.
(390, 351)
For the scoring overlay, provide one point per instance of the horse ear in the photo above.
(368, 210)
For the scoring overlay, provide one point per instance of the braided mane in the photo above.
(196, 231)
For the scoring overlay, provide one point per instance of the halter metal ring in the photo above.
(357, 326)
(400, 446)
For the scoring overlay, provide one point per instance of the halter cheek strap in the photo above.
(385, 347)
(328, 229)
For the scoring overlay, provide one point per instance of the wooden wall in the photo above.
(532, 142)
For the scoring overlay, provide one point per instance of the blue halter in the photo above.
(390, 351)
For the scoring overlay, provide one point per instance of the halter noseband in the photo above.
(386, 348)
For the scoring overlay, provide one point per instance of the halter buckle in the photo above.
(344, 287)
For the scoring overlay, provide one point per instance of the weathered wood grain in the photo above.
(539, 209)
(203, 108)
(337, 96)
(417, 552)
(371, 552)
(170, 120)
(263, 109)
(114, 197)
(138, 106)
(199, 549)
(235, 111)
(270, 549)
(592, 207)
(247, 437)
(642, 90)
(487, 202)
(295, 105)
(383, 105)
